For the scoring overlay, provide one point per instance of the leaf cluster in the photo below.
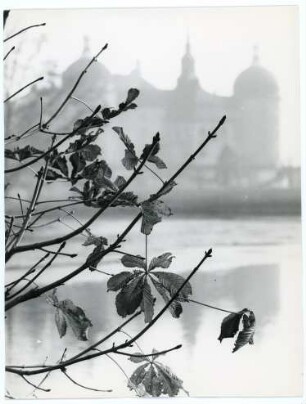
(109, 113)
(135, 286)
(154, 378)
(149, 152)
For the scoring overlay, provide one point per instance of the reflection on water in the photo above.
(254, 276)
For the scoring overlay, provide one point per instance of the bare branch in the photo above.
(40, 272)
(30, 271)
(34, 385)
(150, 354)
(10, 51)
(22, 88)
(20, 202)
(46, 153)
(59, 253)
(128, 335)
(81, 385)
(74, 87)
(16, 138)
(9, 230)
(82, 102)
(22, 30)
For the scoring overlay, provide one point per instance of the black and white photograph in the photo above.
(152, 228)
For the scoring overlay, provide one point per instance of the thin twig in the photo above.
(30, 271)
(128, 335)
(18, 137)
(71, 215)
(33, 171)
(9, 230)
(22, 30)
(29, 212)
(17, 199)
(70, 227)
(40, 383)
(82, 102)
(50, 150)
(153, 354)
(74, 87)
(41, 111)
(39, 216)
(107, 337)
(119, 366)
(20, 202)
(81, 385)
(40, 272)
(22, 88)
(10, 51)
(34, 385)
(154, 173)
(59, 253)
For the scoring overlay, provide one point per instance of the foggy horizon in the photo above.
(160, 47)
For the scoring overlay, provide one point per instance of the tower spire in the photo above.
(188, 50)
(188, 71)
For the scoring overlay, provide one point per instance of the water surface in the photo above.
(256, 264)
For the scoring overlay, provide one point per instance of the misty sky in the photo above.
(222, 41)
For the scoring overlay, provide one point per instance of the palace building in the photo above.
(245, 154)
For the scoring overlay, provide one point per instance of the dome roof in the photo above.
(96, 71)
(94, 74)
(255, 81)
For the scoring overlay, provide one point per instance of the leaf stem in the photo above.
(211, 307)
(146, 251)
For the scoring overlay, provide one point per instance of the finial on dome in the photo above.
(86, 47)
(255, 55)
(137, 69)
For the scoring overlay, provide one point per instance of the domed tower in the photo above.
(95, 88)
(96, 79)
(255, 120)
(187, 82)
(181, 112)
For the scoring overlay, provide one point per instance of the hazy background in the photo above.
(221, 38)
(257, 260)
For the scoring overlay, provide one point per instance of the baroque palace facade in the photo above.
(245, 154)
